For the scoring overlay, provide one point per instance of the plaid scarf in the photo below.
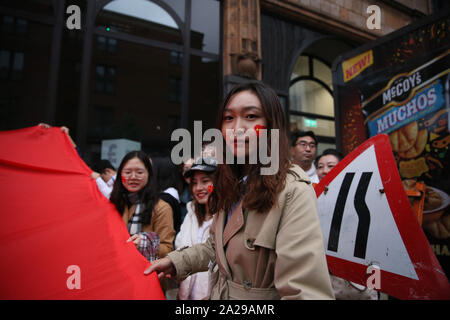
(149, 244)
(135, 223)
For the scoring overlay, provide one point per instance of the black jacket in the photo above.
(176, 209)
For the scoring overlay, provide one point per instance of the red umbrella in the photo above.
(60, 238)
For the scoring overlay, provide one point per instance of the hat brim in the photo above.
(199, 167)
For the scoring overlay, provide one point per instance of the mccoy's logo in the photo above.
(400, 87)
(354, 66)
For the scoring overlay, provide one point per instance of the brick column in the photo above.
(242, 39)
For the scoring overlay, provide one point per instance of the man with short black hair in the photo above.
(303, 152)
(105, 177)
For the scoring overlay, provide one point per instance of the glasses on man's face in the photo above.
(135, 175)
(304, 144)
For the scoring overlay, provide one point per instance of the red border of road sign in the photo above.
(432, 283)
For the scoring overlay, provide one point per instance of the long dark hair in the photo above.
(147, 195)
(262, 190)
(166, 174)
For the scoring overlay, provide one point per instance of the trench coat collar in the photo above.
(221, 259)
(223, 234)
(234, 224)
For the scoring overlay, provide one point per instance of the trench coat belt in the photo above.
(233, 291)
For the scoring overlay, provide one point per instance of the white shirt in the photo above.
(106, 187)
(198, 283)
(202, 230)
(312, 173)
(194, 287)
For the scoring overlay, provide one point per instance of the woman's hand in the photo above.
(44, 125)
(136, 239)
(164, 267)
(95, 175)
(63, 129)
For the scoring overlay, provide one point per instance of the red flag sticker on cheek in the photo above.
(210, 188)
(124, 180)
(257, 128)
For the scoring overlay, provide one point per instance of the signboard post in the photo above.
(399, 85)
(114, 150)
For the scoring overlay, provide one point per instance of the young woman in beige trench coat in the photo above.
(265, 241)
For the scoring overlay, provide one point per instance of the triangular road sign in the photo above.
(367, 220)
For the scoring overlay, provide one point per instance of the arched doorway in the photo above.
(311, 105)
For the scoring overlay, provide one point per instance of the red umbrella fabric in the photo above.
(60, 238)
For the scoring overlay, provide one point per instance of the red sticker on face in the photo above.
(210, 188)
(124, 180)
(257, 128)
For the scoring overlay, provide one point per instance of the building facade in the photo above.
(294, 44)
(139, 69)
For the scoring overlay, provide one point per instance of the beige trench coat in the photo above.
(275, 255)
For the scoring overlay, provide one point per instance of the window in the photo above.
(173, 123)
(148, 37)
(17, 68)
(205, 23)
(301, 67)
(14, 25)
(174, 89)
(9, 112)
(112, 45)
(311, 99)
(309, 96)
(21, 26)
(101, 43)
(102, 121)
(105, 44)
(176, 58)
(138, 18)
(11, 65)
(8, 24)
(105, 79)
(5, 57)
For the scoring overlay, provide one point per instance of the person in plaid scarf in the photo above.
(148, 218)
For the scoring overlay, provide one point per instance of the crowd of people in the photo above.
(224, 231)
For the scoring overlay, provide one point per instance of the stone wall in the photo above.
(354, 12)
(346, 18)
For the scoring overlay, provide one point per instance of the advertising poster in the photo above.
(399, 85)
